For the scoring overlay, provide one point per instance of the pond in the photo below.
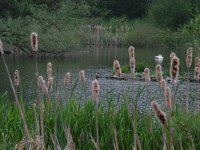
(93, 60)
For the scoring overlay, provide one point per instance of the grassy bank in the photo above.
(81, 119)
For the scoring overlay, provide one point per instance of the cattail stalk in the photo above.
(27, 136)
(17, 63)
(83, 80)
(95, 94)
(189, 61)
(42, 89)
(159, 113)
(49, 70)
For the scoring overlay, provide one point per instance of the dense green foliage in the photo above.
(173, 14)
(68, 24)
(81, 119)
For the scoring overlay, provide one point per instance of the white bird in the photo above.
(159, 59)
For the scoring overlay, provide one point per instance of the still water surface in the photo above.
(92, 60)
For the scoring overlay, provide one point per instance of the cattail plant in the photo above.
(25, 127)
(82, 76)
(95, 90)
(131, 51)
(83, 80)
(42, 89)
(168, 97)
(146, 75)
(49, 70)
(34, 45)
(196, 73)
(132, 66)
(67, 79)
(16, 78)
(41, 84)
(172, 55)
(189, 61)
(159, 113)
(163, 84)
(174, 69)
(117, 68)
(197, 61)
(34, 41)
(95, 95)
(159, 76)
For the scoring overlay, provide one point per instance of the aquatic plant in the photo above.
(159, 76)
(174, 69)
(67, 79)
(34, 41)
(82, 76)
(117, 68)
(159, 113)
(189, 61)
(168, 97)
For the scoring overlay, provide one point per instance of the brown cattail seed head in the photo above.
(189, 58)
(197, 73)
(82, 76)
(67, 79)
(34, 41)
(172, 55)
(146, 75)
(197, 61)
(174, 68)
(163, 84)
(16, 78)
(168, 99)
(131, 51)
(117, 68)
(1, 47)
(95, 89)
(159, 76)
(42, 86)
(159, 113)
(49, 70)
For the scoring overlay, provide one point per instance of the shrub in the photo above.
(171, 13)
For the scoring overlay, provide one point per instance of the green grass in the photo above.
(81, 118)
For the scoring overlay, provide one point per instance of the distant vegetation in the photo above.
(69, 24)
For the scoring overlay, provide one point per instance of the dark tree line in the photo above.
(98, 8)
